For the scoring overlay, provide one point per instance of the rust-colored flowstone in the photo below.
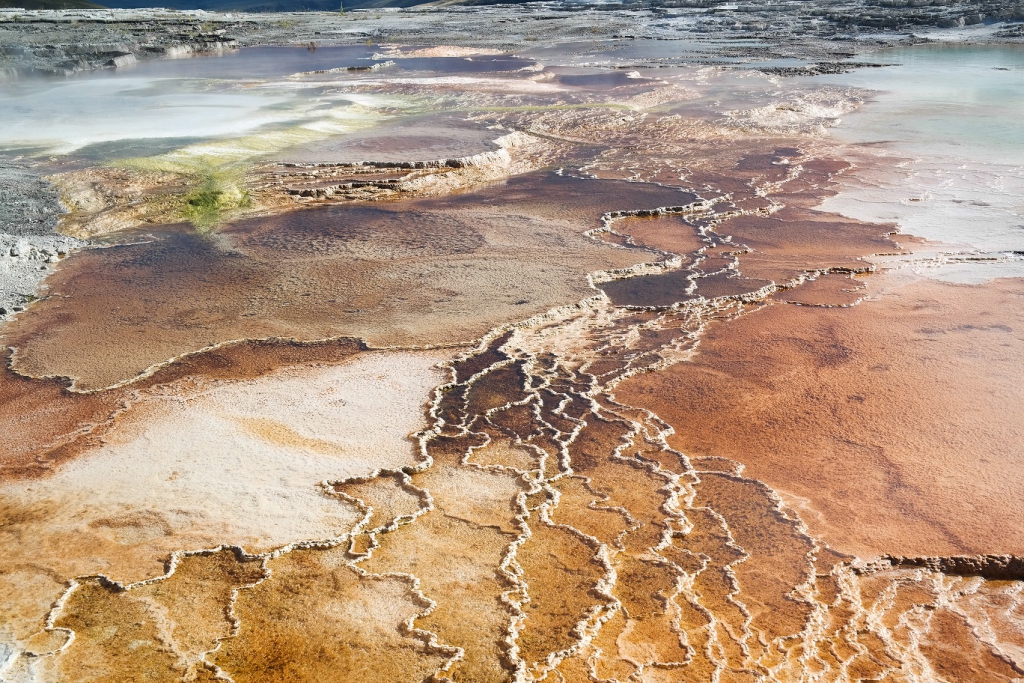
(671, 479)
(912, 400)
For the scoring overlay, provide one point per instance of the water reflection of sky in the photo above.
(967, 98)
(275, 62)
(951, 118)
(257, 62)
(208, 96)
(61, 116)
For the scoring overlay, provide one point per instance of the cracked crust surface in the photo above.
(552, 498)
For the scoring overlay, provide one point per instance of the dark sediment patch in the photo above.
(675, 286)
(41, 421)
(611, 79)
(725, 284)
(250, 359)
(479, 362)
(663, 289)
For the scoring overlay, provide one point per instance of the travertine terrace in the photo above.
(482, 363)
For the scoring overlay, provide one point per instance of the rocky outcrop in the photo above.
(43, 44)
(341, 179)
(50, 42)
(993, 567)
(29, 243)
(498, 158)
(472, 161)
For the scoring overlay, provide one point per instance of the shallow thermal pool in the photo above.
(948, 116)
(212, 96)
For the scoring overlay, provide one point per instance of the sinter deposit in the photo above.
(546, 343)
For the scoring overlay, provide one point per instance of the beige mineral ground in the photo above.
(892, 426)
(165, 628)
(68, 423)
(197, 463)
(317, 618)
(473, 261)
(106, 200)
(457, 555)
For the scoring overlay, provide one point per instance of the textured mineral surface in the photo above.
(561, 343)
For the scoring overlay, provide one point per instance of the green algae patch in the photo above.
(214, 171)
(216, 187)
(215, 198)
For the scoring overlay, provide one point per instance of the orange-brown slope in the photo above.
(893, 426)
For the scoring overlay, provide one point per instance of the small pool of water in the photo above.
(109, 113)
(252, 63)
(946, 122)
(463, 65)
(58, 116)
(275, 62)
(961, 99)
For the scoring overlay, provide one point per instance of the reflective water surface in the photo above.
(950, 120)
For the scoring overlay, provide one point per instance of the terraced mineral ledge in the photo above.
(458, 362)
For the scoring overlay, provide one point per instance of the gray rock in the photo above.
(65, 42)
(30, 206)
(29, 242)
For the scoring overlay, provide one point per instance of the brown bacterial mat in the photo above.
(425, 272)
